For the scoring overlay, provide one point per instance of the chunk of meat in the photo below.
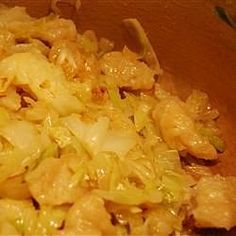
(215, 202)
(127, 71)
(88, 216)
(161, 222)
(52, 183)
(179, 131)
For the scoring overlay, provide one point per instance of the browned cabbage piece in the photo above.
(215, 202)
(127, 71)
(179, 131)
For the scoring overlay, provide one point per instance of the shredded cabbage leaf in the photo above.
(87, 132)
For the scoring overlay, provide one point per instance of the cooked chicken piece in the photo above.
(88, 216)
(215, 202)
(52, 182)
(179, 131)
(161, 222)
(127, 71)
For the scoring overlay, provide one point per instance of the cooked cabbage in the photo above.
(91, 144)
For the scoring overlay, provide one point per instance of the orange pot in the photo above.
(194, 45)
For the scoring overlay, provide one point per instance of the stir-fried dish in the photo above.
(90, 142)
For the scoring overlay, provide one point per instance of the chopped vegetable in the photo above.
(90, 144)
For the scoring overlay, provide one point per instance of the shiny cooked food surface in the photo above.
(90, 142)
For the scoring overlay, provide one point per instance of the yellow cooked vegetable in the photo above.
(90, 144)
